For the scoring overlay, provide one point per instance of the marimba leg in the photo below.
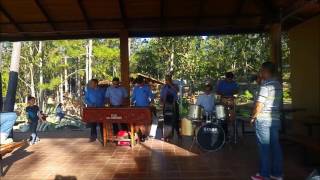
(105, 134)
(132, 135)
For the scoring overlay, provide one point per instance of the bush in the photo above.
(246, 96)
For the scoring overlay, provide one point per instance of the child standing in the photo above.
(33, 118)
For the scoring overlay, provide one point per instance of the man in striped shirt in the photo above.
(266, 116)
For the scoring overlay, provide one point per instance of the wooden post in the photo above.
(1, 100)
(276, 58)
(276, 55)
(13, 78)
(105, 133)
(124, 59)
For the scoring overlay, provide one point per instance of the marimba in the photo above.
(107, 116)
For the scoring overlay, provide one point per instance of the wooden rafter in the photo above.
(270, 13)
(162, 13)
(296, 8)
(84, 14)
(123, 13)
(147, 20)
(11, 19)
(200, 10)
(238, 11)
(45, 14)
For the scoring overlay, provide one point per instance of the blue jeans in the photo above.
(7, 121)
(267, 133)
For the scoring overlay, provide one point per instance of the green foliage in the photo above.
(55, 82)
(286, 95)
(194, 59)
(246, 96)
(106, 62)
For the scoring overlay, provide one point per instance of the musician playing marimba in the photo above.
(115, 97)
(94, 97)
(141, 97)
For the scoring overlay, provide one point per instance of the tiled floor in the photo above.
(67, 154)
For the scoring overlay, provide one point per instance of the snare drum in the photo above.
(195, 112)
(220, 112)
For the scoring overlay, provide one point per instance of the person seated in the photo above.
(206, 101)
(33, 113)
(59, 112)
(43, 123)
(7, 120)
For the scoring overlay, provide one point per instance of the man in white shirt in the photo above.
(206, 100)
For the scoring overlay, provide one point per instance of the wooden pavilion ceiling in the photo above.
(59, 19)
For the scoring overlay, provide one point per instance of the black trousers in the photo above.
(94, 134)
(33, 126)
(174, 119)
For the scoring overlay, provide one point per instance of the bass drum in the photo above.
(210, 137)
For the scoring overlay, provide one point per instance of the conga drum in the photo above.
(186, 127)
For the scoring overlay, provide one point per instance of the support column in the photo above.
(275, 40)
(124, 60)
(13, 78)
(1, 100)
(276, 58)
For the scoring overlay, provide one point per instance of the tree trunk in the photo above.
(66, 83)
(78, 80)
(87, 64)
(41, 97)
(172, 60)
(32, 88)
(90, 59)
(13, 78)
(61, 89)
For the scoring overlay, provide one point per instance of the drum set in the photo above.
(206, 128)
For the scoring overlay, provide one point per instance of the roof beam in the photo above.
(155, 33)
(123, 13)
(8, 16)
(270, 13)
(84, 14)
(200, 12)
(46, 15)
(238, 11)
(162, 13)
(154, 19)
(296, 8)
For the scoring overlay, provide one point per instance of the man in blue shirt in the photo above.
(94, 97)
(141, 97)
(169, 98)
(227, 87)
(116, 96)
